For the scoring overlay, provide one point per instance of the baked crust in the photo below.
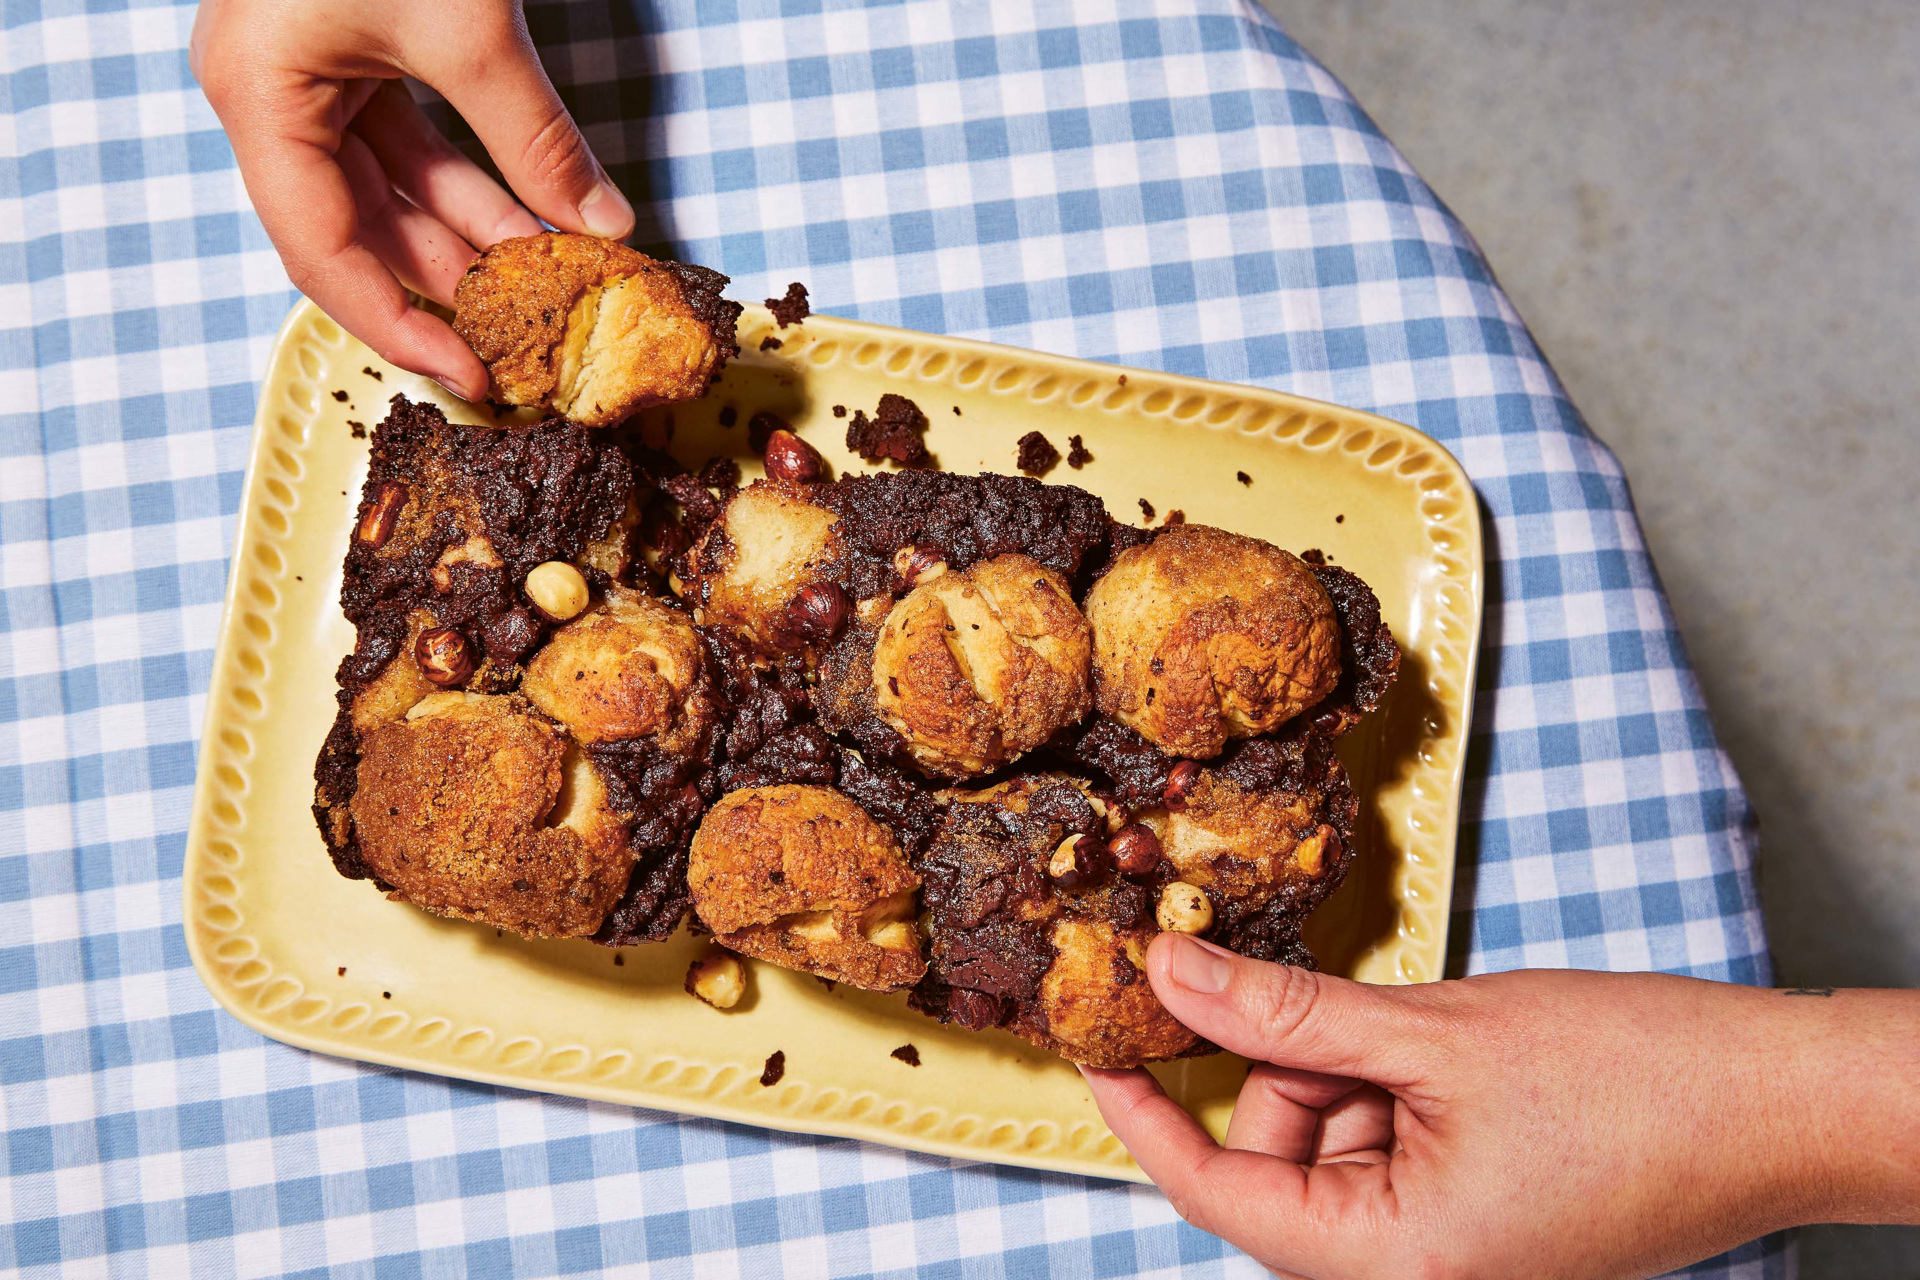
(803, 877)
(978, 667)
(591, 329)
(629, 667)
(1202, 636)
(473, 805)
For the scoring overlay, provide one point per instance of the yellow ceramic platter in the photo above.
(303, 956)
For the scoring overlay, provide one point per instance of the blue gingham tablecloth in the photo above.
(1173, 185)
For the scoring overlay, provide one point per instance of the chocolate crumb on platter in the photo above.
(1243, 478)
(1036, 455)
(771, 343)
(1146, 509)
(372, 372)
(1078, 455)
(895, 431)
(907, 1054)
(776, 1068)
(792, 308)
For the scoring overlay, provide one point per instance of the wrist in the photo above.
(1844, 1104)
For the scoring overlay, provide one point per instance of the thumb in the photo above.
(524, 126)
(1293, 1017)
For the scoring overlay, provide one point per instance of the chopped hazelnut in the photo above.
(790, 458)
(443, 656)
(1076, 862)
(1135, 850)
(916, 565)
(819, 612)
(557, 590)
(378, 524)
(1183, 909)
(718, 978)
(1180, 784)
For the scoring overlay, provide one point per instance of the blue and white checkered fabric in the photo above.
(1177, 187)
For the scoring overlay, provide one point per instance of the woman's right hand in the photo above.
(360, 194)
(1536, 1123)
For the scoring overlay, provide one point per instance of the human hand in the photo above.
(1536, 1123)
(358, 191)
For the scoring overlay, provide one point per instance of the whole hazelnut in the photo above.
(915, 565)
(557, 590)
(377, 525)
(1077, 862)
(1183, 909)
(443, 657)
(790, 458)
(819, 613)
(718, 978)
(1180, 784)
(1135, 850)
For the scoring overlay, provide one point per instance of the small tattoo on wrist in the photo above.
(1807, 991)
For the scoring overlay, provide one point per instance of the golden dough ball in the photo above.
(476, 806)
(1202, 635)
(631, 667)
(591, 329)
(770, 544)
(1244, 846)
(974, 669)
(1099, 1018)
(801, 876)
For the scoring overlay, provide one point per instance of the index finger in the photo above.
(1289, 1217)
(307, 207)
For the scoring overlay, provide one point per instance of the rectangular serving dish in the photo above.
(305, 957)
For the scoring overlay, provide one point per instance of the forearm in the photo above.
(1851, 1065)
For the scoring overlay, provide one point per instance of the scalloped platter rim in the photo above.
(305, 957)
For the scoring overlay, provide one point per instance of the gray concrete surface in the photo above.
(1706, 212)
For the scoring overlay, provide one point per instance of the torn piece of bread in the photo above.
(591, 329)
(803, 877)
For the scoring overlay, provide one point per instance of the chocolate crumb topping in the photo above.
(792, 308)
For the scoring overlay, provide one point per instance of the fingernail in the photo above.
(605, 212)
(1199, 966)
(453, 390)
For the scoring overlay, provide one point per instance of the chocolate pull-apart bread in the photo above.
(963, 735)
